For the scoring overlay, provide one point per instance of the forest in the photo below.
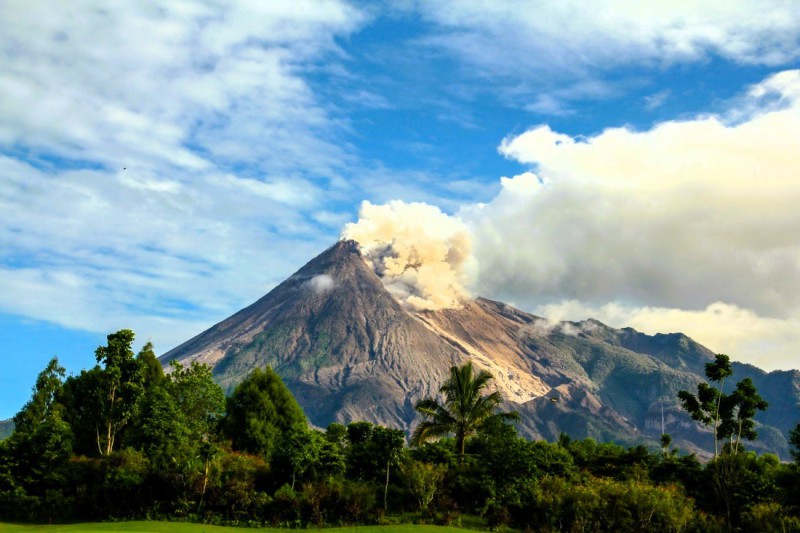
(125, 440)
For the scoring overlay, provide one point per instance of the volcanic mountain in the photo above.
(349, 351)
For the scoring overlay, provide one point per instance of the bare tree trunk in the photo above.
(205, 484)
(716, 417)
(110, 436)
(386, 487)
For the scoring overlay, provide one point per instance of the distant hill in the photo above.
(6, 428)
(349, 351)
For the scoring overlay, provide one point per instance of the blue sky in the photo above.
(163, 166)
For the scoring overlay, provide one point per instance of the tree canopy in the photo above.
(465, 409)
(259, 411)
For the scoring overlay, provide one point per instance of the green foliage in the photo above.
(152, 372)
(465, 410)
(171, 459)
(423, 480)
(32, 457)
(121, 385)
(665, 441)
(259, 411)
(729, 415)
(737, 411)
(794, 440)
(81, 398)
(556, 504)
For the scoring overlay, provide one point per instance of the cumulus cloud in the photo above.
(684, 214)
(422, 255)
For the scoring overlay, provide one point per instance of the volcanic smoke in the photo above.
(422, 255)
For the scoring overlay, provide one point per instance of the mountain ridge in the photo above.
(349, 351)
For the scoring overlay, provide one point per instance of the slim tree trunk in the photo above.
(205, 484)
(738, 437)
(386, 487)
(109, 436)
(716, 417)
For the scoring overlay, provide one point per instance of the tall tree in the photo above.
(738, 410)
(464, 411)
(705, 407)
(259, 411)
(122, 385)
(198, 397)
(31, 457)
(152, 372)
(43, 400)
(388, 444)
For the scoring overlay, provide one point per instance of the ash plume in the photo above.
(422, 255)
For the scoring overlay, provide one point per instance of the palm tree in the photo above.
(465, 409)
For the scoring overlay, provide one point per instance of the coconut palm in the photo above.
(465, 410)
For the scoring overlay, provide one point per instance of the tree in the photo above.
(794, 440)
(198, 397)
(705, 407)
(423, 480)
(666, 440)
(30, 459)
(152, 372)
(259, 411)
(300, 448)
(121, 387)
(465, 410)
(388, 444)
(738, 410)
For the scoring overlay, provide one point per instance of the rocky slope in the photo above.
(349, 351)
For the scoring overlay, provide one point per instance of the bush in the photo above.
(555, 504)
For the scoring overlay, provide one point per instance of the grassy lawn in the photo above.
(176, 527)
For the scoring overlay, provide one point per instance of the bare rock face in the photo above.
(349, 351)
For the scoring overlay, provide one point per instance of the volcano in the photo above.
(349, 351)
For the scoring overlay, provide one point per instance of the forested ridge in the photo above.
(124, 440)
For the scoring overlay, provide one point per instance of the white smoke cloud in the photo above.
(422, 255)
(321, 284)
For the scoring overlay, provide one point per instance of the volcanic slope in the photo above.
(343, 345)
(349, 351)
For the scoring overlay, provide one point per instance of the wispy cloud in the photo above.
(155, 158)
(529, 51)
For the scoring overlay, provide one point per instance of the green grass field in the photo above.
(176, 527)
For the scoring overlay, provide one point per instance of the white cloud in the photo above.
(571, 32)
(133, 84)
(321, 284)
(543, 54)
(157, 163)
